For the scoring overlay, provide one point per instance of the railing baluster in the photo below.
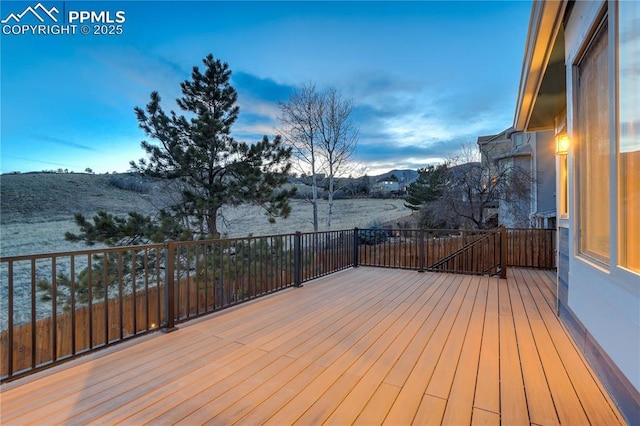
(229, 285)
(258, 284)
(158, 280)
(503, 253)
(134, 264)
(147, 318)
(120, 296)
(105, 270)
(54, 310)
(11, 348)
(297, 280)
(355, 247)
(205, 277)
(176, 285)
(187, 285)
(169, 287)
(90, 296)
(73, 305)
(244, 275)
(421, 251)
(33, 309)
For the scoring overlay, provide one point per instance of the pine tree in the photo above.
(198, 155)
(429, 186)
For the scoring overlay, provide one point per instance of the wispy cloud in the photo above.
(260, 88)
(123, 77)
(32, 160)
(62, 142)
(258, 101)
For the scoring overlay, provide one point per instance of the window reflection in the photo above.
(629, 133)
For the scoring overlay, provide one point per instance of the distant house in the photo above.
(532, 153)
(581, 81)
(389, 185)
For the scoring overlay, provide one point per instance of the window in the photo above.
(518, 138)
(564, 187)
(592, 124)
(629, 135)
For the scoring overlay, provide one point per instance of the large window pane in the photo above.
(593, 148)
(629, 131)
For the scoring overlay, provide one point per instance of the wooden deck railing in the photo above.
(477, 252)
(531, 248)
(57, 306)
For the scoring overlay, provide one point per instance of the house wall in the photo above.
(515, 212)
(563, 266)
(538, 208)
(601, 304)
(496, 147)
(525, 206)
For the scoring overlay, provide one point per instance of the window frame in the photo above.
(592, 257)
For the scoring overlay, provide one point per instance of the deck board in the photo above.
(445, 370)
(487, 392)
(513, 402)
(362, 346)
(484, 418)
(378, 406)
(460, 399)
(541, 408)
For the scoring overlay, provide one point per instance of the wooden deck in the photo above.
(365, 345)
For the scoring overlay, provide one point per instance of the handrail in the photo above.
(462, 250)
(429, 250)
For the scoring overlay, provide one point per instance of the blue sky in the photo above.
(425, 77)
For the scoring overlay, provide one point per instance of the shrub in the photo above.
(128, 183)
(373, 234)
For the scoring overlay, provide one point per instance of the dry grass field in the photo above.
(37, 209)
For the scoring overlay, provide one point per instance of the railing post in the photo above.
(355, 247)
(421, 250)
(10, 345)
(503, 253)
(297, 257)
(169, 287)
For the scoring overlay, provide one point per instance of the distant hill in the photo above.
(30, 197)
(407, 176)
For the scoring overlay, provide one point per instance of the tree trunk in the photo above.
(330, 206)
(314, 195)
(212, 223)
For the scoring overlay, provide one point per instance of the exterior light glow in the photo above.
(562, 144)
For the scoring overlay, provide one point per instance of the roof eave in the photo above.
(544, 25)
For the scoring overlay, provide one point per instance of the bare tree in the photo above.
(338, 139)
(317, 125)
(476, 192)
(299, 128)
